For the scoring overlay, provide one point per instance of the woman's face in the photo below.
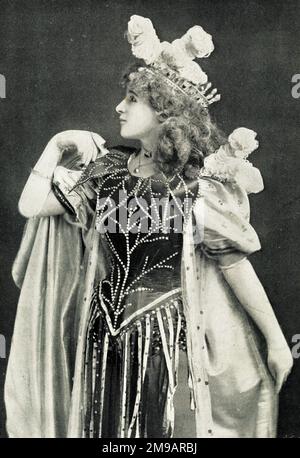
(137, 118)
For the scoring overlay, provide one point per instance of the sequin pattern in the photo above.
(144, 235)
(137, 326)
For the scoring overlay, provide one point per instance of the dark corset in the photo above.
(143, 220)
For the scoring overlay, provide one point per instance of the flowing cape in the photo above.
(56, 269)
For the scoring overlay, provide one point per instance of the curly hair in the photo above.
(186, 134)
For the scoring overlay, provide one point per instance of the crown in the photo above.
(200, 93)
(174, 62)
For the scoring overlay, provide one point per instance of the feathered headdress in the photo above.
(174, 62)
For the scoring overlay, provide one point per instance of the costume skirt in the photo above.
(137, 382)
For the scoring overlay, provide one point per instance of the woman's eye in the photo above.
(131, 98)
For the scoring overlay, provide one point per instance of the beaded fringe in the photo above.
(122, 362)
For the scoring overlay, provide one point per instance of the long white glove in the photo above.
(82, 144)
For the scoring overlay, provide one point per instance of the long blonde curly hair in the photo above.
(187, 134)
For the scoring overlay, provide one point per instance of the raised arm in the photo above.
(37, 198)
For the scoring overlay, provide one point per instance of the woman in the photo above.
(143, 270)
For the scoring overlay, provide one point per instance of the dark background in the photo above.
(62, 62)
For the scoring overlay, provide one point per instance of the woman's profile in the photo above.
(140, 314)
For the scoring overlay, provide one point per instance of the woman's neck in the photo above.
(149, 142)
(148, 153)
(142, 164)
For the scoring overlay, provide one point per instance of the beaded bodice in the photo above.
(142, 220)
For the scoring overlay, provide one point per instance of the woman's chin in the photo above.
(126, 135)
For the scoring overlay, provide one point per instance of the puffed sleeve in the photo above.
(222, 219)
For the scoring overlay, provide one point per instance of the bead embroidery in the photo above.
(136, 311)
(118, 291)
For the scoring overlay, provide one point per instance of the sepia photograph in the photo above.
(150, 268)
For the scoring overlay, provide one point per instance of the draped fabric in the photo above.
(60, 261)
(233, 390)
(41, 363)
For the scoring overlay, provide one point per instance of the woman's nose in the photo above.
(120, 107)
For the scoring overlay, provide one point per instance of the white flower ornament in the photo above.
(243, 142)
(192, 72)
(229, 163)
(197, 42)
(174, 62)
(143, 39)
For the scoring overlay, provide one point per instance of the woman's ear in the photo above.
(161, 116)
